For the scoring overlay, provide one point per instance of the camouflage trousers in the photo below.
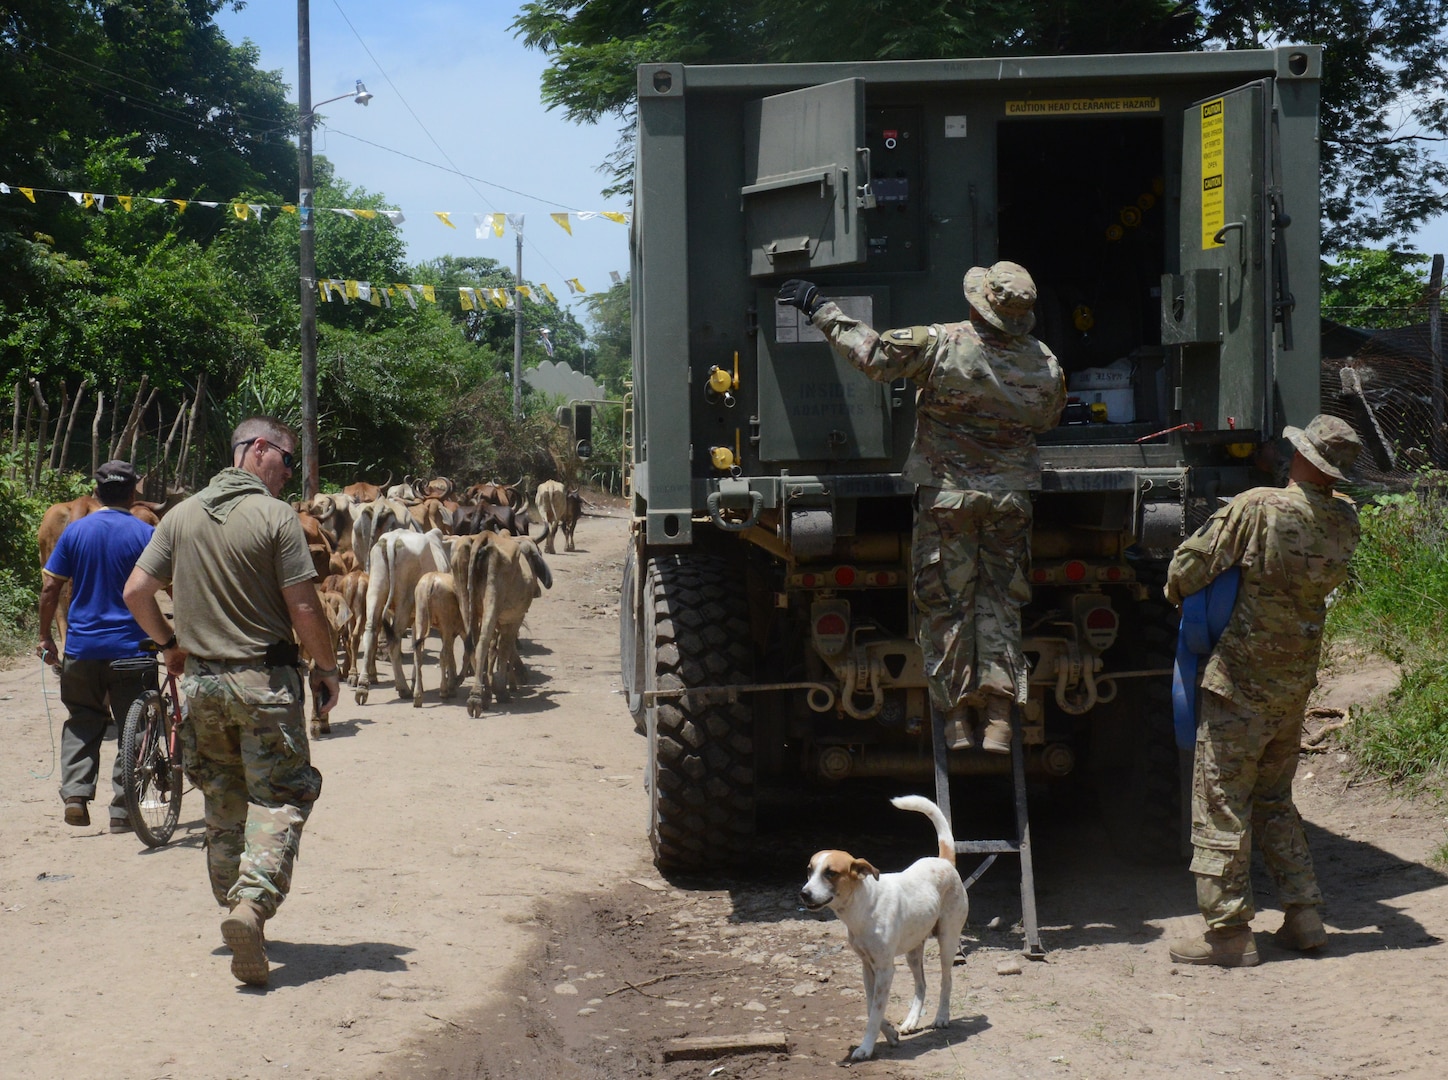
(970, 553)
(1241, 790)
(245, 748)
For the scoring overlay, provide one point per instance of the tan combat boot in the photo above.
(242, 930)
(1230, 946)
(996, 738)
(958, 735)
(1301, 929)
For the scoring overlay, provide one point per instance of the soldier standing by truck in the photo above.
(986, 388)
(1293, 545)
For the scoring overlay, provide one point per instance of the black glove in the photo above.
(804, 295)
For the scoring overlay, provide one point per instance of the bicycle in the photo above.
(151, 754)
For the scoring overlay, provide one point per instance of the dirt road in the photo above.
(474, 898)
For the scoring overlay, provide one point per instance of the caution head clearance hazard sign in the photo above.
(1084, 106)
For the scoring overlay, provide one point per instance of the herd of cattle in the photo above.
(416, 556)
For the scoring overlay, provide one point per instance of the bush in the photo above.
(1396, 603)
(20, 512)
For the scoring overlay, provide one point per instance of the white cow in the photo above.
(374, 519)
(335, 513)
(398, 559)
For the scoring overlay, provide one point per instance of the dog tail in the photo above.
(922, 805)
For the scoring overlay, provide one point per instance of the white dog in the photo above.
(890, 914)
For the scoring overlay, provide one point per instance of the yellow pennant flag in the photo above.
(562, 220)
(180, 205)
(365, 215)
(442, 215)
(88, 200)
(352, 290)
(575, 285)
(241, 210)
(525, 292)
(547, 292)
(29, 193)
(496, 221)
(499, 297)
(288, 208)
(429, 294)
(376, 296)
(614, 215)
(465, 298)
(125, 201)
(326, 292)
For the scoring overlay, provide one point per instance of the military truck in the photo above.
(1167, 207)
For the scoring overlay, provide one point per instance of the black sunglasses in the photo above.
(287, 456)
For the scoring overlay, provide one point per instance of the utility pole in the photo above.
(518, 324)
(1437, 454)
(308, 253)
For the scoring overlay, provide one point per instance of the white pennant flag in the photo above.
(516, 220)
(394, 216)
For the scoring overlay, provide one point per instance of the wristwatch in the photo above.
(169, 643)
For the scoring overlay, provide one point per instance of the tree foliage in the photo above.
(1375, 289)
(1384, 90)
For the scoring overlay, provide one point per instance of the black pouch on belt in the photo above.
(282, 654)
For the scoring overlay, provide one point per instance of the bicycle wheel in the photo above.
(151, 779)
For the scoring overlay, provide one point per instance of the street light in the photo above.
(308, 246)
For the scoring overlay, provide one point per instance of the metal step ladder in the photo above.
(992, 848)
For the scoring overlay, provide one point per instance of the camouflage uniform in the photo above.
(982, 398)
(245, 748)
(1293, 545)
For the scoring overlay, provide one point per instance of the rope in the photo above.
(45, 696)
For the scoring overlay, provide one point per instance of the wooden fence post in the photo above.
(70, 424)
(96, 431)
(39, 431)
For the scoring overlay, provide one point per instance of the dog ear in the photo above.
(861, 868)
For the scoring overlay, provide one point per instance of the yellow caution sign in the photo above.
(1214, 167)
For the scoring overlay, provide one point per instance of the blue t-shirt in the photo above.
(97, 554)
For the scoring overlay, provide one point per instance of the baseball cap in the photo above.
(117, 472)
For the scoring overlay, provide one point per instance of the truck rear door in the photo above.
(1220, 308)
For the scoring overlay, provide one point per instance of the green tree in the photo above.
(1384, 92)
(1375, 289)
(611, 337)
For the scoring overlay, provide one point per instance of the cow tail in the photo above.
(389, 555)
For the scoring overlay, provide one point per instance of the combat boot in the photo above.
(1301, 929)
(958, 735)
(1229, 946)
(996, 738)
(242, 930)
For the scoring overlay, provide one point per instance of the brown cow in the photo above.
(334, 607)
(335, 513)
(354, 592)
(363, 492)
(504, 575)
(435, 607)
(432, 514)
(561, 509)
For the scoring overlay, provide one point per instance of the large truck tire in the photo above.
(1135, 761)
(701, 754)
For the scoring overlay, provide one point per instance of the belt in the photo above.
(1205, 614)
(259, 661)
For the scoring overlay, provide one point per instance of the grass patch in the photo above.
(1395, 603)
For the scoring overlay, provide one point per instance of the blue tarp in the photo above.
(1205, 615)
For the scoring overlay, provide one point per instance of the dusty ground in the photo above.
(475, 899)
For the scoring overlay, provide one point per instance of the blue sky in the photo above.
(455, 92)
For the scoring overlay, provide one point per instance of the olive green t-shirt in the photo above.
(228, 552)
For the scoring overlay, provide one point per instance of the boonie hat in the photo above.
(1328, 442)
(1004, 294)
(117, 472)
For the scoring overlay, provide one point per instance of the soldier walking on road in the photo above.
(1292, 545)
(986, 388)
(242, 579)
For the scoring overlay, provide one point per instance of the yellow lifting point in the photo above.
(720, 380)
(1241, 449)
(722, 458)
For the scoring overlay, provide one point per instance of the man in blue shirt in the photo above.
(95, 554)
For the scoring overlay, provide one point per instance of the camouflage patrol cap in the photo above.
(1004, 294)
(1328, 442)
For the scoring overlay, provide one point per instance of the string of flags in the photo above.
(485, 225)
(470, 298)
(347, 290)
